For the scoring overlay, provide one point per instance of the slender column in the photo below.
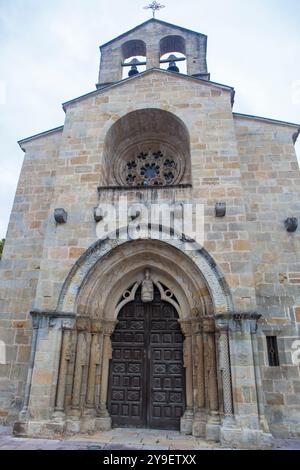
(35, 325)
(63, 370)
(258, 381)
(94, 363)
(186, 424)
(109, 327)
(199, 365)
(200, 418)
(187, 362)
(211, 367)
(80, 363)
(224, 361)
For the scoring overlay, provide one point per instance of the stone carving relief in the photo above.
(147, 288)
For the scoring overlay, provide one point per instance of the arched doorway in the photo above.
(147, 377)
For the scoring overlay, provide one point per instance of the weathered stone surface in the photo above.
(247, 262)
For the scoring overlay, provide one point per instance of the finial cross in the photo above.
(154, 6)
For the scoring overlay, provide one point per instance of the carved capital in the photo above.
(96, 326)
(238, 321)
(68, 324)
(209, 325)
(83, 324)
(35, 321)
(197, 327)
(186, 326)
(109, 327)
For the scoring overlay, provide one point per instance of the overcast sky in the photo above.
(49, 54)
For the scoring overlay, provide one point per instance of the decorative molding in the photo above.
(128, 296)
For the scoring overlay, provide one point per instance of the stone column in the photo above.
(245, 430)
(186, 424)
(199, 424)
(43, 375)
(95, 358)
(259, 390)
(63, 369)
(82, 327)
(153, 59)
(104, 420)
(225, 370)
(35, 326)
(88, 421)
(213, 424)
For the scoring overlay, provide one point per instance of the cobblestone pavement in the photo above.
(124, 439)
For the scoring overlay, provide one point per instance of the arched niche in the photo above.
(173, 45)
(133, 50)
(151, 140)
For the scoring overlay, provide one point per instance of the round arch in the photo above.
(173, 264)
(147, 132)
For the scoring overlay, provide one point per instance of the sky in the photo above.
(49, 54)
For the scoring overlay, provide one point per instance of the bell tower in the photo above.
(153, 44)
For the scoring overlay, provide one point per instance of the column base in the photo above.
(88, 421)
(186, 423)
(213, 428)
(103, 423)
(39, 429)
(199, 425)
(231, 435)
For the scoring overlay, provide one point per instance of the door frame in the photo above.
(147, 363)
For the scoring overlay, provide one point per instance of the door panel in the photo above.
(147, 386)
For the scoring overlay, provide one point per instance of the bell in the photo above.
(133, 71)
(173, 67)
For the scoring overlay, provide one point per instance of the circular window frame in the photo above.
(131, 152)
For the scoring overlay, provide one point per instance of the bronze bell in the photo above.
(172, 65)
(134, 70)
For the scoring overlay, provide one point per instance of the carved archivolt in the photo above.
(102, 275)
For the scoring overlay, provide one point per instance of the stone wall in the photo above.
(246, 163)
(271, 182)
(20, 265)
(206, 111)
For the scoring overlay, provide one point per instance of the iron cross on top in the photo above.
(154, 6)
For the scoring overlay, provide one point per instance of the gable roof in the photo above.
(146, 72)
(152, 20)
(40, 135)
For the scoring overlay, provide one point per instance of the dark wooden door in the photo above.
(146, 383)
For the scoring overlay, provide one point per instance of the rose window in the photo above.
(151, 169)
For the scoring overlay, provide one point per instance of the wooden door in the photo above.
(146, 383)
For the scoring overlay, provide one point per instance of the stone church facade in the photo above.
(154, 332)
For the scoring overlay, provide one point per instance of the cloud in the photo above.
(49, 54)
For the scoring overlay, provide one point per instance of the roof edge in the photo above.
(135, 77)
(265, 119)
(38, 136)
(151, 20)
